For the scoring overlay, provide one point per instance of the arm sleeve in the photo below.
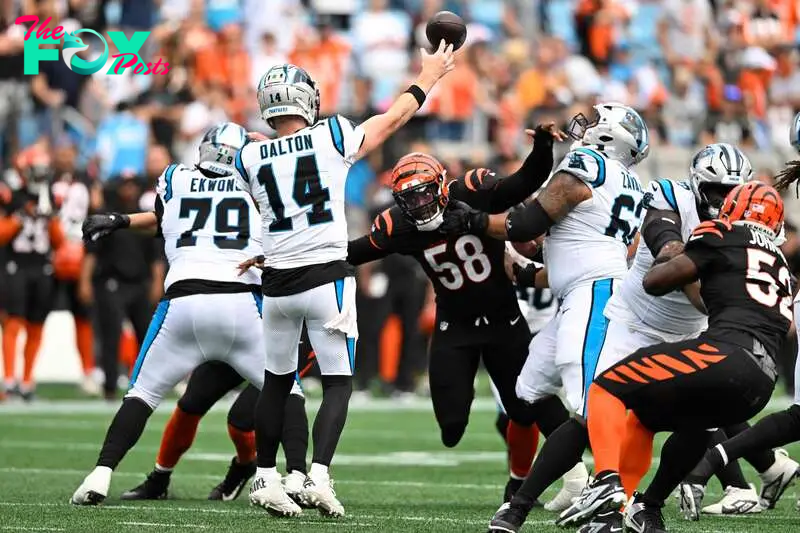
(703, 247)
(362, 250)
(585, 164)
(347, 137)
(159, 211)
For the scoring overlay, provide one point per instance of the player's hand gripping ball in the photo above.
(448, 27)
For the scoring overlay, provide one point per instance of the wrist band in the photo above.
(417, 93)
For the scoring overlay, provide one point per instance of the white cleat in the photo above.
(318, 492)
(690, 499)
(268, 492)
(94, 488)
(90, 387)
(777, 479)
(735, 501)
(293, 484)
(574, 481)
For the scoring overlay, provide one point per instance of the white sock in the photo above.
(267, 472)
(318, 471)
(162, 469)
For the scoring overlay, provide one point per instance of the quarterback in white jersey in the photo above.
(208, 312)
(298, 181)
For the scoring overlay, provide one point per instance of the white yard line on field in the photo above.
(255, 512)
(163, 524)
(211, 477)
(378, 405)
(24, 528)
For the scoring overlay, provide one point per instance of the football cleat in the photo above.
(94, 488)
(642, 517)
(90, 387)
(574, 481)
(736, 501)
(603, 494)
(152, 488)
(293, 484)
(690, 498)
(507, 519)
(267, 492)
(234, 482)
(608, 522)
(777, 479)
(318, 492)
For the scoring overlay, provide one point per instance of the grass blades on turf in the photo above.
(391, 473)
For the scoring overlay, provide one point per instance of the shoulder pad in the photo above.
(710, 232)
(165, 181)
(479, 178)
(662, 195)
(585, 164)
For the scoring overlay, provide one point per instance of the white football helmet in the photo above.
(715, 170)
(794, 133)
(219, 147)
(616, 130)
(288, 90)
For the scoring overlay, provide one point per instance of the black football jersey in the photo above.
(31, 246)
(466, 270)
(744, 281)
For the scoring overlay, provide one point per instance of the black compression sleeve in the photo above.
(535, 170)
(523, 225)
(661, 227)
(361, 250)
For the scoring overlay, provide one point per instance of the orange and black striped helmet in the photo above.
(754, 202)
(419, 189)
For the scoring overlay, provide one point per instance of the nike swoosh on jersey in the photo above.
(665, 219)
(515, 320)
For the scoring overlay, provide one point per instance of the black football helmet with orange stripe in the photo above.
(756, 204)
(420, 190)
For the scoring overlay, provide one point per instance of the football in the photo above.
(448, 26)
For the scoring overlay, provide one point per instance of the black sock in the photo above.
(331, 417)
(561, 451)
(295, 433)
(729, 476)
(681, 452)
(242, 414)
(124, 431)
(762, 458)
(549, 414)
(771, 431)
(269, 417)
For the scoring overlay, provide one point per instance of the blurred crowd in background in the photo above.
(699, 71)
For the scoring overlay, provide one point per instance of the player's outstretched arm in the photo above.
(378, 128)
(363, 250)
(520, 185)
(661, 231)
(96, 227)
(667, 275)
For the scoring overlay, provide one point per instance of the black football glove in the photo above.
(460, 219)
(95, 227)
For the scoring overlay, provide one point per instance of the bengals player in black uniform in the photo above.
(725, 376)
(31, 232)
(477, 314)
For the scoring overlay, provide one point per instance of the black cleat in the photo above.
(507, 519)
(234, 482)
(643, 516)
(608, 522)
(153, 488)
(603, 494)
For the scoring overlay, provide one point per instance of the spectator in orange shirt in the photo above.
(333, 57)
(757, 67)
(228, 65)
(454, 102)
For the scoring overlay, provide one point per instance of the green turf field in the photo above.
(392, 475)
